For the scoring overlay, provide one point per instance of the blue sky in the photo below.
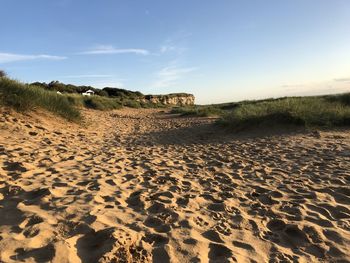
(221, 51)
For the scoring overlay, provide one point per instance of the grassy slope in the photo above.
(24, 97)
(328, 111)
(332, 110)
(200, 111)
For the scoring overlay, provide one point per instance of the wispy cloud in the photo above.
(174, 46)
(331, 86)
(11, 57)
(103, 84)
(342, 80)
(168, 76)
(106, 49)
(167, 48)
(291, 85)
(95, 80)
(176, 43)
(92, 76)
(171, 46)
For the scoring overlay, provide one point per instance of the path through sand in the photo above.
(142, 185)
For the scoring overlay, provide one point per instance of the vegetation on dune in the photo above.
(101, 103)
(2, 74)
(200, 111)
(67, 88)
(340, 98)
(108, 98)
(321, 111)
(307, 111)
(132, 104)
(23, 97)
(326, 111)
(122, 93)
(74, 89)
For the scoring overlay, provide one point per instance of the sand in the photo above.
(145, 186)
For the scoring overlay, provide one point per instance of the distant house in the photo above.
(88, 93)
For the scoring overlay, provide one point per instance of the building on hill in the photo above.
(88, 93)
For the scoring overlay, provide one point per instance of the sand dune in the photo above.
(146, 186)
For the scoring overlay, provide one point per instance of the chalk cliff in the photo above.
(180, 99)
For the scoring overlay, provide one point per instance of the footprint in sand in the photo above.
(219, 253)
(212, 235)
(156, 240)
(43, 254)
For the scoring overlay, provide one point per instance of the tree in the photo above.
(2, 73)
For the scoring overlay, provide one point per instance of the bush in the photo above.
(2, 74)
(101, 103)
(132, 104)
(23, 97)
(122, 93)
(341, 98)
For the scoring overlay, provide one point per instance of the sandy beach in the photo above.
(141, 185)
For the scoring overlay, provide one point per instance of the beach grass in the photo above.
(199, 111)
(304, 111)
(23, 97)
(316, 111)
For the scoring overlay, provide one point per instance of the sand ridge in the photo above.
(145, 186)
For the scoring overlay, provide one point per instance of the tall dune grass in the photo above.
(200, 111)
(325, 111)
(94, 102)
(23, 97)
(306, 111)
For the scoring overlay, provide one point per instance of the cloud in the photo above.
(167, 48)
(172, 72)
(103, 50)
(331, 86)
(176, 43)
(342, 80)
(10, 57)
(168, 76)
(95, 80)
(173, 46)
(291, 86)
(102, 84)
(87, 76)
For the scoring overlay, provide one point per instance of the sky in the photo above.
(220, 51)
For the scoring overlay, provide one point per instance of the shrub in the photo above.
(2, 73)
(122, 93)
(341, 98)
(101, 103)
(132, 104)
